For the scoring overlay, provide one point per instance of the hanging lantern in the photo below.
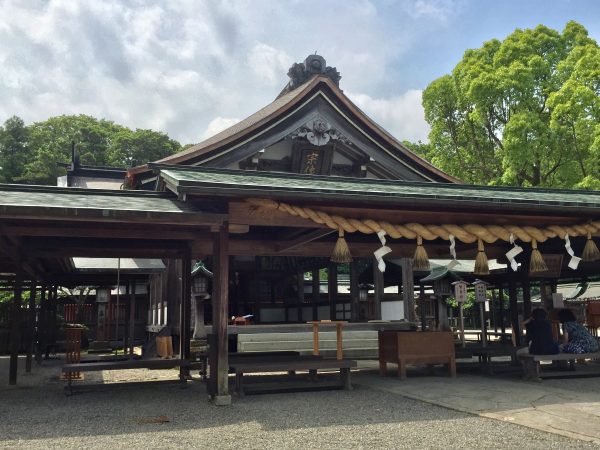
(199, 285)
(442, 287)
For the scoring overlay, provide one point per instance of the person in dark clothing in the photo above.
(539, 334)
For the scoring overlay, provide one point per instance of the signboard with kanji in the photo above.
(460, 291)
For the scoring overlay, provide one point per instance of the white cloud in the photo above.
(217, 125)
(438, 10)
(186, 67)
(402, 116)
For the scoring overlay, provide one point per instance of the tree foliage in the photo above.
(524, 111)
(30, 154)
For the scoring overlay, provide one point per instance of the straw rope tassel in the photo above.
(341, 251)
(590, 251)
(537, 263)
(481, 261)
(420, 260)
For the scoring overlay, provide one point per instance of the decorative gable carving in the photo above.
(319, 132)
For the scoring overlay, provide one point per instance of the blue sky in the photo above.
(192, 67)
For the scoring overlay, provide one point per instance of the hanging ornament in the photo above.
(452, 264)
(381, 251)
(341, 251)
(575, 260)
(590, 251)
(537, 263)
(513, 252)
(420, 260)
(481, 261)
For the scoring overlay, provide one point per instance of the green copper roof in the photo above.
(225, 183)
(79, 203)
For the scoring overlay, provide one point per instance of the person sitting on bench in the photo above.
(576, 339)
(539, 334)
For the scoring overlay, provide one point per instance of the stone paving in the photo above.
(471, 411)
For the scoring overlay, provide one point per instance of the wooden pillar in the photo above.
(354, 291)
(132, 318)
(526, 297)
(378, 282)
(408, 295)
(422, 307)
(30, 326)
(493, 305)
(442, 314)
(300, 294)
(501, 310)
(185, 309)
(126, 313)
(51, 322)
(42, 323)
(514, 311)
(316, 294)
(15, 318)
(220, 314)
(332, 286)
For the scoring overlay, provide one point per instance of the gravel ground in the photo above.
(37, 414)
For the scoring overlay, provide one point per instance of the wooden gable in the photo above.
(311, 128)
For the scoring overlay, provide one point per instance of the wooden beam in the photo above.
(267, 247)
(284, 247)
(244, 213)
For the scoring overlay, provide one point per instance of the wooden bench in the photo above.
(155, 364)
(531, 363)
(291, 365)
(416, 347)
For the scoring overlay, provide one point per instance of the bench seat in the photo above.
(155, 364)
(291, 365)
(531, 363)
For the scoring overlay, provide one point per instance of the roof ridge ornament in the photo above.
(313, 65)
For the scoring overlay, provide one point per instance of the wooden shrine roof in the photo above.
(51, 202)
(235, 183)
(261, 121)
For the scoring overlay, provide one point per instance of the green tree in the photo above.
(14, 150)
(51, 140)
(521, 112)
(130, 148)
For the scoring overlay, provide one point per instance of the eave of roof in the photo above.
(98, 204)
(286, 186)
(278, 107)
